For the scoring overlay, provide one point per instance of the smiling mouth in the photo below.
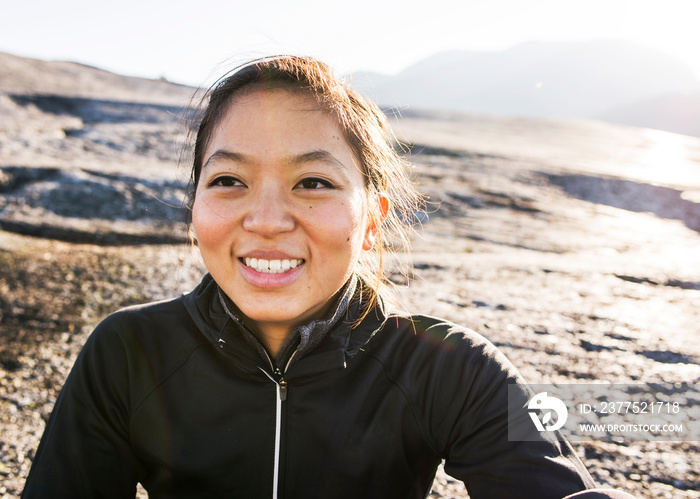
(271, 266)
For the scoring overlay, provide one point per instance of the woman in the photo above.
(284, 373)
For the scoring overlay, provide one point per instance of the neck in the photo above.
(272, 336)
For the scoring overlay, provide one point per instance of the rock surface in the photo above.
(573, 246)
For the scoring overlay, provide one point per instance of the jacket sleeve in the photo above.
(469, 425)
(85, 449)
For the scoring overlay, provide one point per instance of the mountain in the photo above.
(540, 79)
(677, 112)
(22, 75)
(89, 155)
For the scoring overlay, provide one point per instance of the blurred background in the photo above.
(623, 61)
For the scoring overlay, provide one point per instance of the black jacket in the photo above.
(175, 396)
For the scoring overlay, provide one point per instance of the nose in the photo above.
(269, 213)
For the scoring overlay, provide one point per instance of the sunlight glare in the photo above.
(666, 160)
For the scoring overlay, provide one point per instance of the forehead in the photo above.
(281, 127)
(281, 117)
(278, 99)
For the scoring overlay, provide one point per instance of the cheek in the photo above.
(207, 225)
(342, 225)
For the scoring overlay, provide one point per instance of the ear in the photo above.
(373, 225)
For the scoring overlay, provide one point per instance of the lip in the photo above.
(270, 281)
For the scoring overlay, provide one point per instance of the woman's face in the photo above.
(280, 213)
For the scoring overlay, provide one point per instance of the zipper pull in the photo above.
(283, 389)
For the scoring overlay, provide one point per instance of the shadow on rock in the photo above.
(664, 202)
(100, 110)
(91, 207)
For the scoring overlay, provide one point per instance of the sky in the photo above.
(193, 42)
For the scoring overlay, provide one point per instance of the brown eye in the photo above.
(315, 183)
(226, 181)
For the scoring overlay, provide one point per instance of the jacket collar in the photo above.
(313, 348)
(304, 338)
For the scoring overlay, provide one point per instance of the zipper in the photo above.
(278, 429)
(281, 390)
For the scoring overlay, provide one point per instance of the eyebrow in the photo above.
(228, 156)
(318, 155)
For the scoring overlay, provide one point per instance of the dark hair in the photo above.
(365, 128)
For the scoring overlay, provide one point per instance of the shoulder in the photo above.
(435, 335)
(168, 317)
(160, 312)
(156, 336)
(443, 350)
(448, 374)
(436, 328)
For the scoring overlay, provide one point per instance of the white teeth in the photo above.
(272, 266)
